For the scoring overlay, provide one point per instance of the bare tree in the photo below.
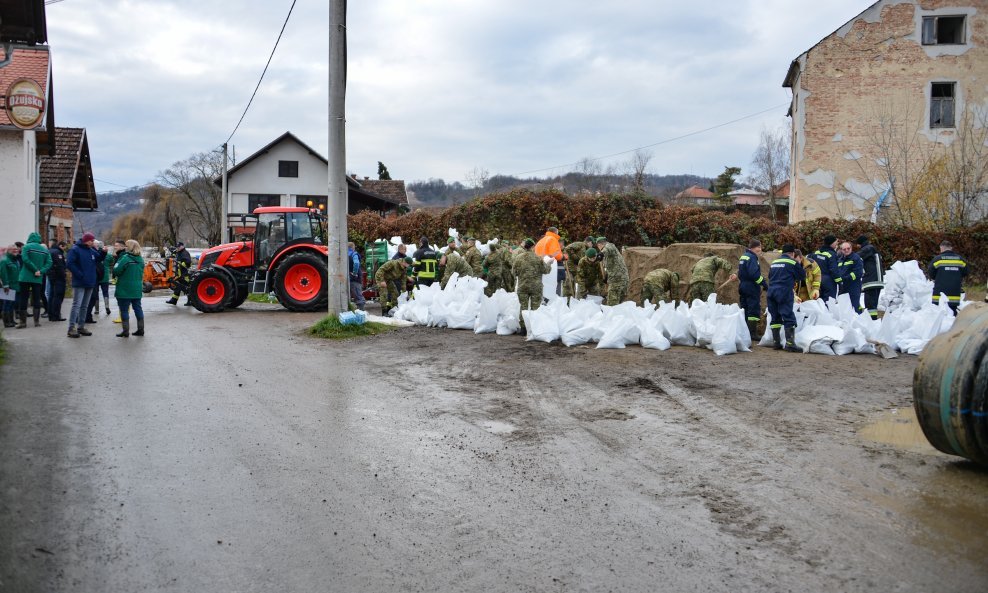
(165, 210)
(477, 177)
(770, 164)
(637, 166)
(193, 179)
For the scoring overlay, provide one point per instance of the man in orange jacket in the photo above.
(550, 245)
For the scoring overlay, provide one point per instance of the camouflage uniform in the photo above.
(455, 263)
(617, 274)
(387, 277)
(660, 285)
(494, 265)
(475, 260)
(529, 268)
(574, 253)
(589, 278)
(703, 275)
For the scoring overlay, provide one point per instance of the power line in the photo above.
(666, 141)
(263, 72)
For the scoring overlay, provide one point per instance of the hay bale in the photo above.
(680, 258)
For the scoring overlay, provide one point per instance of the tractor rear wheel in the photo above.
(301, 282)
(211, 291)
(239, 297)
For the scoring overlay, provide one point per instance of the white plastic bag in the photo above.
(651, 337)
(487, 316)
(614, 334)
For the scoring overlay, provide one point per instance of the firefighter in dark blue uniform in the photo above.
(947, 271)
(851, 275)
(829, 262)
(751, 286)
(873, 280)
(784, 273)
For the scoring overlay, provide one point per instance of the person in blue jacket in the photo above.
(356, 278)
(82, 261)
(851, 275)
(751, 285)
(829, 262)
(783, 274)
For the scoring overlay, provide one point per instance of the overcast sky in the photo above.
(436, 88)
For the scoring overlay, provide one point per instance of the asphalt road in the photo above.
(231, 453)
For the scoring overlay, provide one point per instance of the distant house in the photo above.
(746, 196)
(66, 185)
(696, 195)
(902, 73)
(287, 172)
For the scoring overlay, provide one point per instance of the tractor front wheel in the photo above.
(211, 291)
(301, 282)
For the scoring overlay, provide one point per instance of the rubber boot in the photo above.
(37, 318)
(776, 338)
(791, 340)
(106, 301)
(140, 328)
(753, 330)
(172, 301)
(73, 332)
(21, 319)
(126, 329)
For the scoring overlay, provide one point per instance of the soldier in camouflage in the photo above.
(529, 269)
(704, 274)
(387, 277)
(452, 263)
(660, 285)
(574, 253)
(494, 269)
(474, 257)
(615, 272)
(589, 275)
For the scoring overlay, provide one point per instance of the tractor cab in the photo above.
(279, 228)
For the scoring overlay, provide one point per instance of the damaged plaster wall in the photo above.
(875, 64)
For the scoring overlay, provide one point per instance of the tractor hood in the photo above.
(227, 254)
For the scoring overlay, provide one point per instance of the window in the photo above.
(287, 168)
(261, 200)
(943, 30)
(316, 202)
(942, 105)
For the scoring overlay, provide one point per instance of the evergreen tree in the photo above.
(382, 172)
(724, 183)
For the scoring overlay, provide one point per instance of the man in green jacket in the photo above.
(615, 272)
(35, 263)
(10, 269)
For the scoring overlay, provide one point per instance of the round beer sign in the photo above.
(25, 103)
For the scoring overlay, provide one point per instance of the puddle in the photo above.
(900, 429)
(495, 427)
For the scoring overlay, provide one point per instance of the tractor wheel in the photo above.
(239, 297)
(211, 291)
(301, 282)
(147, 287)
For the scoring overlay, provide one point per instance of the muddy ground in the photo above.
(230, 452)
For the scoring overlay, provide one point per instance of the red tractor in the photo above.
(282, 250)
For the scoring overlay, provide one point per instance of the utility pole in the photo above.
(336, 208)
(224, 199)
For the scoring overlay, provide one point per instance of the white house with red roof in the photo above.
(27, 124)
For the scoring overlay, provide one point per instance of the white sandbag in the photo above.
(487, 317)
(852, 341)
(744, 338)
(462, 316)
(507, 325)
(724, 338)
(549, 282)
(817, 339)
(651, 337)
(542, 324)
(677, 328)
(614, 334)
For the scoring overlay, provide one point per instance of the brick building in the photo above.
(873, 100)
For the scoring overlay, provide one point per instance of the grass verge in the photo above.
(975, 292)
(330, 328)
(258, 298)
